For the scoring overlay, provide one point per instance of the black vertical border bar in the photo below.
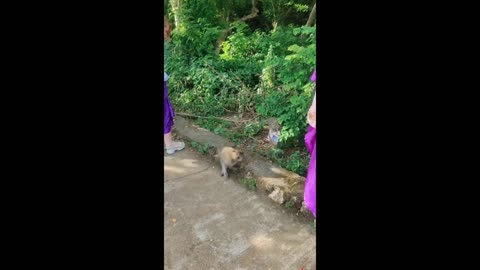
(161, 240)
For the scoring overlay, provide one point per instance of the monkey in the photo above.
(274, 130)
(229, 157)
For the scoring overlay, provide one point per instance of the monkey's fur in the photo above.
(273, 124)
(274, 130)
(229, 157)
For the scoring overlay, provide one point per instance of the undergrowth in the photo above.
(266, 74)
(249, 183)
(257, 74)
(296, 161)
(202, 148)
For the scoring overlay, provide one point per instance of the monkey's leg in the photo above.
(224, 170)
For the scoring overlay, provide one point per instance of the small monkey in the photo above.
(229, 157)
(273, 130)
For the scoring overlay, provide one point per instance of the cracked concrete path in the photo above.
(212, 223)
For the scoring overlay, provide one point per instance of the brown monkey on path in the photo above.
(229, 157)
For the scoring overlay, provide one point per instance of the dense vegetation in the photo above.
(248, 59)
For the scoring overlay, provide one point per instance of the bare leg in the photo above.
(168, 139)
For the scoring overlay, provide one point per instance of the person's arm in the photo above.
(312, 112)
(313, 107)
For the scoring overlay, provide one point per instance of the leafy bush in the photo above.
(264, 73)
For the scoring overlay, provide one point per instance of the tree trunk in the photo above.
(312, 16)
(177, 10)
(225, 32)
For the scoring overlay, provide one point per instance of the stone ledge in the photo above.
(280, 185)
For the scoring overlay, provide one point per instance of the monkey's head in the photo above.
(237, 156)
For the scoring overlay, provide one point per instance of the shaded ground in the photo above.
(212, 223)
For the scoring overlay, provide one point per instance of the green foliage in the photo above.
(211, 123)
(260, 71)
(249, 183)
(222, 128)
(252, 129)
(275, 154)
(202, 148)
(249, 76)
(289, 204)
(297, 163)
(287, 12)
(286, 81)
(298, 7)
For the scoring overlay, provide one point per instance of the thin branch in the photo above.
(220, 118)
(225, 32)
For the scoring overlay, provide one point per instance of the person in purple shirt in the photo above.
(309, 196)
(168, 113)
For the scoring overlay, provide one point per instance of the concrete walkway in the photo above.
(212, 223)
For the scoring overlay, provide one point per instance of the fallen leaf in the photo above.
(174, 220)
